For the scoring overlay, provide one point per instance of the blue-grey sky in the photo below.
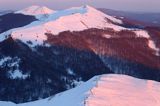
(127, 5)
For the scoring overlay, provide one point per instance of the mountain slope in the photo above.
(57, 52)
(105, 90)
(63, 21)
(11, 20)
(47, 70)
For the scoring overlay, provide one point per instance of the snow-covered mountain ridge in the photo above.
(54, 52)
(104, 90)
(36, 10)
(73, 19)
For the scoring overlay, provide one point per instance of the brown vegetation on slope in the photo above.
(123, 44)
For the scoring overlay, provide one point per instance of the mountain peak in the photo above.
(73, 19)
(36, 10)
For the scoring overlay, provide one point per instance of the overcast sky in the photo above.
(127, 5)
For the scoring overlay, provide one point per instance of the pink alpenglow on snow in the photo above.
(105, 90)
(121, 90)
(36, 10)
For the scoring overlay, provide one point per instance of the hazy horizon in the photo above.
(124, 5)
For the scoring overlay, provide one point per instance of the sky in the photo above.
(125, 5)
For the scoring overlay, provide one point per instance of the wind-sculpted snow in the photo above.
(104, 90)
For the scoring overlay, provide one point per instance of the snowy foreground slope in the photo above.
(105, 90)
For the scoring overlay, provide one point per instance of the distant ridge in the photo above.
(36, 10)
